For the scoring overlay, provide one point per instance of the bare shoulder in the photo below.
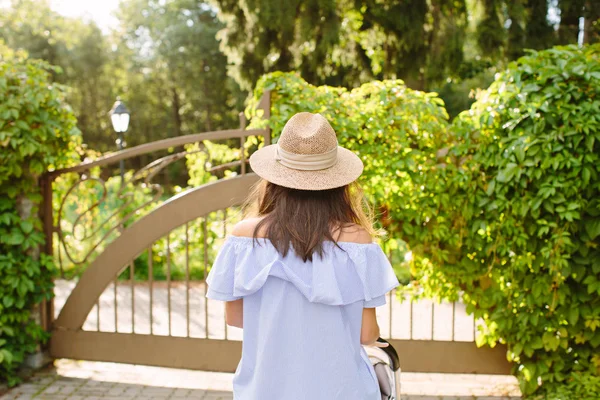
(246, 227)
(354, 233)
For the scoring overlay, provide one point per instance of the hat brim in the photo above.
(345, 171)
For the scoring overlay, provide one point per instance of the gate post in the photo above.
(42, 313)
(46, 215)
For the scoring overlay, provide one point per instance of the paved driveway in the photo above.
(79, 380)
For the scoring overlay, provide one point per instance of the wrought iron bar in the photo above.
(59, 255)
(132, 281)
(205, 245)
(410, 319)
(187, 279)
(432, 317)
(169, 280)
(453, 320)
(243, 142)
(151, 287)
(390, 302)
(228, 165)
(225, 236)
(116, 301)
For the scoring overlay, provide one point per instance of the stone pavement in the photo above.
(85, 380)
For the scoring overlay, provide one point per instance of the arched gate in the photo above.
(110, 315)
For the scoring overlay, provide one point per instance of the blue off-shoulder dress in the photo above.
(302, 320)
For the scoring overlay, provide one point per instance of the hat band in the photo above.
(306, 162)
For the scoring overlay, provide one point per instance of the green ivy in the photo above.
(501, 209)
(533, 215)
(524, 220)
(37, 131)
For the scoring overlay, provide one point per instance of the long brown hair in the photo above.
(305, 219)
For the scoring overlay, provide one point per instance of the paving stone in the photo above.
(492, 398)
(423, 397)
(70, 381)
(91, 392)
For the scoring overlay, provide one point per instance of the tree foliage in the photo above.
(172, 44)
(350, 42)
(177, 63)
(83, 55)
(37, 131)
(343, 42)
(162, 59)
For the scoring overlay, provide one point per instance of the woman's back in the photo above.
(303, 290)
(302, 320)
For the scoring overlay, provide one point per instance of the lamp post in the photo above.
(119, 116)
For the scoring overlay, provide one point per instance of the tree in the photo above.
(343, 42)
(80, 50)
(172, 44)
(425, 43)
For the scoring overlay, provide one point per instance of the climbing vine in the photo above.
(37, 131)
(524, 179)
(500, 208)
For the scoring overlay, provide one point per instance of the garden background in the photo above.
(497, 206)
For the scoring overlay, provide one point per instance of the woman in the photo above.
(303, 277)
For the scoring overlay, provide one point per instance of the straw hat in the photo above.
(307, 156)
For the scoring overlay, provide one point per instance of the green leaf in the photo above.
(8, 301)
(15, 238)
(507, 173)
(22, 125)
(26, 226)
(573, 315)
(520, 153)
(536, 342)
(491, 187)
(585, 175)
(589, 143)
(592, 227)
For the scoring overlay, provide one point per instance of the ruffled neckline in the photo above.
(344, 275)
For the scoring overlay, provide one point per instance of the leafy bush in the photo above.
(520, 205)
(37, 131)
(501, 210)
(394, 130)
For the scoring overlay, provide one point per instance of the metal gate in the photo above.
(112, 312)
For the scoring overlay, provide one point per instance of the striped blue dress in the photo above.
(302, 320)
